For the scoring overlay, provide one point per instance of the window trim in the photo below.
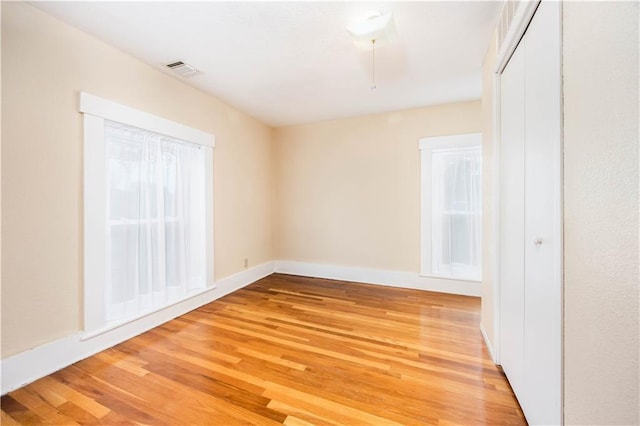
(109, 110)
(426, 146)
(95, 111)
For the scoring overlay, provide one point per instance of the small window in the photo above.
(451, 186)
(148, 213)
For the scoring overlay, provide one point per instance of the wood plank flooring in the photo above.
(288, 350)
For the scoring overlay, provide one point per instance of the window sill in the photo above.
(446, 277)
(112, 325)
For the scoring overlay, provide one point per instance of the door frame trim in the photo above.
(518, 26)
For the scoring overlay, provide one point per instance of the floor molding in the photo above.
(487, 343)
(33, 364)
(378, 276)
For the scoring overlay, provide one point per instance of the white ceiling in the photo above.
(293, 62)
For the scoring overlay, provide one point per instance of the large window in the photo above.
(148, 213)
(452, 207)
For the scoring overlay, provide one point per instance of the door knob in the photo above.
(537, 241)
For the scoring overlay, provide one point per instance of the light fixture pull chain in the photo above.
(373, 64)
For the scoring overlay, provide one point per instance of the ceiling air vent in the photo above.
(182, 69)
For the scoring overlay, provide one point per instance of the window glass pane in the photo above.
(156, 228)
(456, 212)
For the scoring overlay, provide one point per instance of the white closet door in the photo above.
(512, 221)
(531, 219)
(543, 322)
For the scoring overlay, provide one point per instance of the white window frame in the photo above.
(426, 146)
(95, 111)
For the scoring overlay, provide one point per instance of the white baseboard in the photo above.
(33, 364)
(378, 276)
(488, 343)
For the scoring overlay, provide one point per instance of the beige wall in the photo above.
(45, 63)
(488, 215)
(601, 277)
(345, 192)
(348, 191)
(600, 55)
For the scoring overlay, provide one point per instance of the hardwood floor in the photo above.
(288, 350)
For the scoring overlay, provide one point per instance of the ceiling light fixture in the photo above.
(376, 27)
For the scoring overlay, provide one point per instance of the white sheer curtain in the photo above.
(156, 220)
(457, 212)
